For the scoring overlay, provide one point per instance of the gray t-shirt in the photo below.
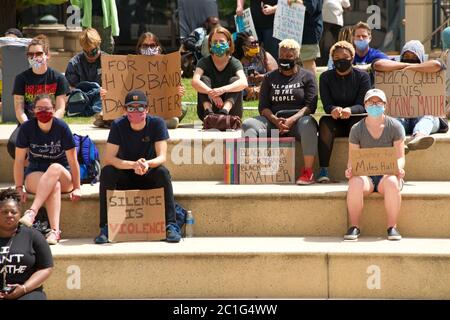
(393, 131)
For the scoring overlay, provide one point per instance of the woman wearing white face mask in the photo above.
(376, 131)
(148, 45)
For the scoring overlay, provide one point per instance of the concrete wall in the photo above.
(419, 20)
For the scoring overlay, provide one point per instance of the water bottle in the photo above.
(189, 224)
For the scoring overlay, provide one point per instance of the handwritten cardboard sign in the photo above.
(288, 21)
(158, 76)
(374, 161)
(245, 23)
(412, 94)
(136, 215)
(260, 161)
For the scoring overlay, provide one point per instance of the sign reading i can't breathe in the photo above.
(159, 76)
(374, 161)
(411, 94)
(135, 215)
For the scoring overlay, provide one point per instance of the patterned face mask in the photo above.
(149, 51)
(220, 48)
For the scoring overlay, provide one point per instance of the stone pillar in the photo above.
(419, 21)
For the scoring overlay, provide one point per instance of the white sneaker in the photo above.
(28, 218)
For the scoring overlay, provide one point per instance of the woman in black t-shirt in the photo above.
(219, 78)
(53, 167)
(25, 257)
(288, 96)
(39, 79)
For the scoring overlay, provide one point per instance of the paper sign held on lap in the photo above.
(374, 161)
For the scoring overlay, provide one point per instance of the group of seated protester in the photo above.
(288, 96)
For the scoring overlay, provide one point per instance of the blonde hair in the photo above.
(290, 44)
(90, 38)
(362, 25)
(343, 45)
(346, 34)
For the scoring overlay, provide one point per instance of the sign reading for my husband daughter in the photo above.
(158, 76)
(411, 94)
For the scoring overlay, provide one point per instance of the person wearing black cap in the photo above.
(134, 156)
(13, 32)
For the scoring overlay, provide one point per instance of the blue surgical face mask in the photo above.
(362, 45)
(374, 110)
(220, 49)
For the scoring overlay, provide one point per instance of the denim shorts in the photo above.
(376, 181)
(39, 167)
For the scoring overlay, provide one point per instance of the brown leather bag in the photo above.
(221, 122)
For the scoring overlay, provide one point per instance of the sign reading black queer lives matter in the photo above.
(412, 94)
(158, 76)
(135, 215)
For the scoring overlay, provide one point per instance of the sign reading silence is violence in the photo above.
(411, 94)
(158, 76)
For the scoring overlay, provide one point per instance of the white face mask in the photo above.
(149, 51)
(37, 62)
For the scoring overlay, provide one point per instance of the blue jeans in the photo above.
(270, 43)
(425, 125)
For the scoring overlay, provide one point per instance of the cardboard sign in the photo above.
(158, 76)
(136, 215)
(288, 21)
(411, 94)
(374, 161)
(245, 23)
(260, 161)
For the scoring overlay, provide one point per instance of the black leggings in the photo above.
(112, 178)
(330, 129)
(234, 97)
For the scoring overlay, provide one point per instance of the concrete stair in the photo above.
(261, 241)
(281, 210)
(309, 267)
(194, 165)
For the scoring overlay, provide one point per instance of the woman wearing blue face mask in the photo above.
(219, 78)
(376, 131)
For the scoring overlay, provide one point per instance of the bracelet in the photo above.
(24, 288)
(19, 187)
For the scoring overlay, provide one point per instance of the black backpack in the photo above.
(79, 104)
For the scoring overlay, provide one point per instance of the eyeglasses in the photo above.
(134, 109)
(37, 54)
(253, 43)
(40, 109)
(371, 103)
(146, 46)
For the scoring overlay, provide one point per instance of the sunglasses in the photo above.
(38, 54)
(91, 53)
(253, 43)
(146, 46)
(134, 109)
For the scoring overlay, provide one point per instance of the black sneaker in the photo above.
(223, 111)
(393, 234)
(352, 233)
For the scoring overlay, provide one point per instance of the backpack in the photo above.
(88, 159)
(181, 214)
(78, 104)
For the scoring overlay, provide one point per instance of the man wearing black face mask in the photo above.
(412, 57)
(342, 91)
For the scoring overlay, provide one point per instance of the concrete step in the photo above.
(195, 165)
(311, 267)
(282, 210)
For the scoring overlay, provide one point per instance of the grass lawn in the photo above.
(190, 97)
